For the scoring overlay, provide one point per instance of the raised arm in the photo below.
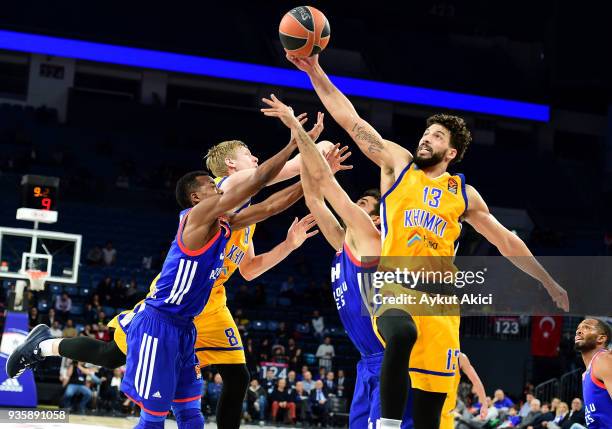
(252, 266)
(382, 152)
(327, 222)
(511, 246)
(353, 216)
(202, 217)
(273, 205)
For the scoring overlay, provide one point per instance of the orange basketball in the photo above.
(304, 31)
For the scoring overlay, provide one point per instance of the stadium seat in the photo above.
(108, 311)
(43, 305)
(84, 291)
(284, 302)
(55, 289)
(77, 310)
(272, 325)
(302, 328)
(71, 290)
(338, 411)
(310, 359)
(259, 325)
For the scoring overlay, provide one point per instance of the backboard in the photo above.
(24, 249)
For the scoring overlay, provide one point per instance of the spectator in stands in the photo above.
(291, 379)
(278, 354)
(94, 256)
(468, 421)
(318, 325)
(576, 415)
(90, 314)
(330, 384)
(301, 402)
(300, 376)
(264, 350)
(500, 400)
(326, 353)
(96, 303)
(214, 391)
(63, 305)
(109, 254)
(33, 318)
(321, 375)
(282, 336)
(546, 416)
(561, 416)
(87, 331)
(319, 406)
(526, 408)
(269, 382)
(534, 413)
(256, 401)
(554, 404)
(251, 356)
(103, 290)
(295, 354)
(56, 329)
(308, 382)
(101, 332)
(118, 294)
(512, 418)
(283, 400)
(75, 384)
(341, 384)
(49, 318)
(131, 294)
(69, 330)
(110, 394)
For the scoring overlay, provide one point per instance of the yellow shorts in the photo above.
(218, 340)
(434, 357)
(120, 336)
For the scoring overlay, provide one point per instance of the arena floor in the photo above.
(95, 422)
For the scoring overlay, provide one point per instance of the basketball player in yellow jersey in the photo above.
(421, 207)
(447, 420)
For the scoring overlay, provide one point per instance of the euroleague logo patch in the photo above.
(198, 372)
(452, 186)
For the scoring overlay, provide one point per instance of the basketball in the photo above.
(304, 31)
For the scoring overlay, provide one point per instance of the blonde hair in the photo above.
(216, 156)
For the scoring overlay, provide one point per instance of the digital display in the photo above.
(39, 192)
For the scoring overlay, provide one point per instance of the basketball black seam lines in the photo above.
(302, 25)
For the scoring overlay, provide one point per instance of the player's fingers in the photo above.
(346, 167)
(268, 101)
(343, 149)
(313, 233)
(301, 115)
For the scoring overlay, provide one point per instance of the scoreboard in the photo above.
(38, 199)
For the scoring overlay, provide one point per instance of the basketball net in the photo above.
(37, 279)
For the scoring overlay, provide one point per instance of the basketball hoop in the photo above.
(37, 279)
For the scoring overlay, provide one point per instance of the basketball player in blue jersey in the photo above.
(416, 188)
(359, 238)
(161, 365)
(593, 340)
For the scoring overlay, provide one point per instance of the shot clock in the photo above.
(38, 199)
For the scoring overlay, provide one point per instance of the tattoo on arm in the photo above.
(361, 133)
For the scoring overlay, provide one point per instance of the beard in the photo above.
(434, 159)
(586, 345)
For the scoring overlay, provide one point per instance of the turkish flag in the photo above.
(545, 335)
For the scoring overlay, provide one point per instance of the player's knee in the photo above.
(235, 375)
(189, 417)
(149, 421)
(397, 328)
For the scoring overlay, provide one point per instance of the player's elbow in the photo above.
(247, 273)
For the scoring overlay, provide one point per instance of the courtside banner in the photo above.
(488, 285)
(19, 391)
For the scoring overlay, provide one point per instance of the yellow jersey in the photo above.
(235, 251)
(421, 216)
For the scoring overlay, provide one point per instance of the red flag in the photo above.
(545, 335)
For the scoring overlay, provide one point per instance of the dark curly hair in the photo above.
(460, 136)
(186, 185)
(375, 193)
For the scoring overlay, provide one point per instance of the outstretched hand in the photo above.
(280, 110)
(336, 156)
(558, 294)
(306, 64)
(298, 231)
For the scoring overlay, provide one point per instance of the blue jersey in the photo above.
(187, 276)
(351, 279)
(597, 401)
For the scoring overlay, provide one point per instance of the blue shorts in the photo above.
(365, 408)
(161, 366)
